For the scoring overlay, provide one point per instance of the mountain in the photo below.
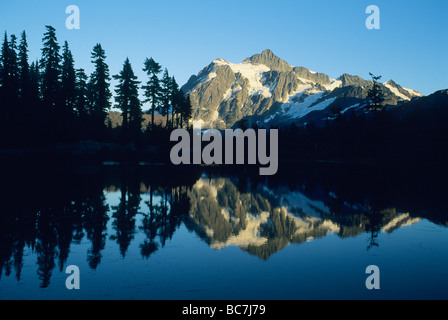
(266, 90)
(265, 220)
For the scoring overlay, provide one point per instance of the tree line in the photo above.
(49, 100)
(414, 132)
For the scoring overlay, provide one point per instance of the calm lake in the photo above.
(159, 232)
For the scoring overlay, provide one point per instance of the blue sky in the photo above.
(327, 36)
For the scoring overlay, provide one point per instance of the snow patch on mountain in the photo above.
(250, 236)
(253, 73)
(305, 80)
(211, 76)
(333, 85)
(413, 92)
(308, 207)
(351, 107)
(229, 93)
(296, 94)
(396, 92)
(296, 110)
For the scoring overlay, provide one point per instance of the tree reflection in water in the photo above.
(49, 211)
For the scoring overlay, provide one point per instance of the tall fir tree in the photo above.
(375, 94)
(128, 101)
(186, 110)
(152, 89)
(25, 85)
(35, 81)
(50, 65)
(81, 96)
(4, 84)
(176, 101)
(68, 87)
(9, 82)
(34, 108)
(2, 97)
(15, 94)
(14, 64)
(166, 93)
(99, 89)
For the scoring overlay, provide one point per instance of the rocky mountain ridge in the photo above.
(266, 90)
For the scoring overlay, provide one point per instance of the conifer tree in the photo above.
(3, 77)
(175, 100)
(166, 93)
(127, 99)
(99, 91)
(152, 89)
(9, 83)
(186, 110)
(375, 95)
(14, 63)
(81, 95)
(16, 112)
(6, 82)
(50, 65)
(24, 75)
(35, 80)
(68, 84)
(181, 106)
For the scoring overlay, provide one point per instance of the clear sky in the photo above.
(326, 36)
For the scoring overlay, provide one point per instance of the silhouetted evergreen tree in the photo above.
(186, 110)
(14, 64)
(4, 85)
(25, 84)
(99, 91)
(152, 88)
(15, 93)
(33, 108)
(68, 88)
(128, 101)
(176, 100)
(81, 97)
(166, 93)
(35, 80)
(375, 95)
(9, 83)
(50, 65)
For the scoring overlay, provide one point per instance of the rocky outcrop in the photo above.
(266, 90)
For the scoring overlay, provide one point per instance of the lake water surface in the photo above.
(142, 232)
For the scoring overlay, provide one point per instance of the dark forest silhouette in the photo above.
(50, 101)
(68, 207)
(414, 132)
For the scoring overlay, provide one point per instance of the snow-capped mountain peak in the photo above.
(267, 90)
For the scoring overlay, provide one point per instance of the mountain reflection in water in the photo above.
(49, 212)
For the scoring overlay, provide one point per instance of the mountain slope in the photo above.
(268, 91)
(265, 220)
